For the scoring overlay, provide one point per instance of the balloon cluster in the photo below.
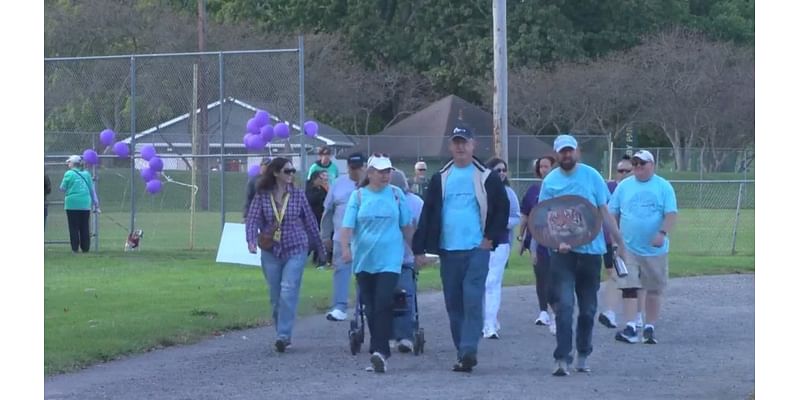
(260, 132)
(121, 149)
(150, 173)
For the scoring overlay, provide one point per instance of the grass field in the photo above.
(102, 305)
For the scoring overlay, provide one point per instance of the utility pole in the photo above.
(201, 163)
(500, 85)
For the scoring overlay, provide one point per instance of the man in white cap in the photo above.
(647, 210)
(575, 272)
(419, 183)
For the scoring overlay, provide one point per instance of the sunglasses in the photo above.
(501, 169)
(379, 155)
(637, 163)
(623, 171)
(289, 171)
(422, 169)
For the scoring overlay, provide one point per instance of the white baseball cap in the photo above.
(380, 163)
(75, 159)
(644, 155)
(420, 165)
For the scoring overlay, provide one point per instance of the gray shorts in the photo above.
(645, 272)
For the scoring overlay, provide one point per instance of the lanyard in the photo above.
(279, 215)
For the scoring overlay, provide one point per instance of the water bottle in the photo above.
(619, 266)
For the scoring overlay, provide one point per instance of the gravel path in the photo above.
(706, 351)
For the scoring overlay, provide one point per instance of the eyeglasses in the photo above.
(637, 163)
(289, 171)
(623, 171)
(501, 169)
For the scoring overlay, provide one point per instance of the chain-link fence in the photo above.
(192, 107)
(725, 164)
(714, 217)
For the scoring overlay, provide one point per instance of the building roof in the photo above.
(177, 131)
(424, 134)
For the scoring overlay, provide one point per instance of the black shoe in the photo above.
(650, 335)
(627, 335)
(465, 364)
(603, 319)
(280, 345)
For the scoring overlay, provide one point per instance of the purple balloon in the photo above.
(121, 149)
(256, 143)
(252, 126)
(262, 118)
(153, 186)
(246, 139)
(90, 156)
(282, 130)
(267, 133)
(156, 164)
(253, 170)
(311, 128)
(147, 174)
(148, 152)
(107, 137)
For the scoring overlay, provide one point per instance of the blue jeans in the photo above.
(404, 325)
(284, 277)
(341, 279)
(574, 275)
(463, 274)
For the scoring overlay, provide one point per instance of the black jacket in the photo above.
(492, 200)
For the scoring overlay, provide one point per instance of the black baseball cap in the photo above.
(356, 160)
(461, 132)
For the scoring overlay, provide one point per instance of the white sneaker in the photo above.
(544, 318)
(378, 362)
(336, 315)
(405, 346)
(552, 327)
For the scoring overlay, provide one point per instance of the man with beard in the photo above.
(575, 272)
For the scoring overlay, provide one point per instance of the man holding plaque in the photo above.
(578, 198)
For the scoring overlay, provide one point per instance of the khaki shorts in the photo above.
(645, 272)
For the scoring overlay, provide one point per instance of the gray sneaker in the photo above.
(562, 368)
(581, 365)
(378, 362)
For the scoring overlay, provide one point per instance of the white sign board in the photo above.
(233, 247)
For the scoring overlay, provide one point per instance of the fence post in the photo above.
(133, 143)
(302, 95)
(736, 220)
(221, 143)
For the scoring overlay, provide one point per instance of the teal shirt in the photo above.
(333, 171)
(586, 182)
(461, 215)
(376, 219)
(78, 187)
(642, 207)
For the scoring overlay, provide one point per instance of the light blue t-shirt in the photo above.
(376, 220)
(642, 207)
(461, 214)
(586, 182)
(415, 204)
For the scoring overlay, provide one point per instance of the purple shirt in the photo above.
(611, 186)
(299, 229)
(530, 201)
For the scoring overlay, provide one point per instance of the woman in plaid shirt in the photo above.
(281, 211)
